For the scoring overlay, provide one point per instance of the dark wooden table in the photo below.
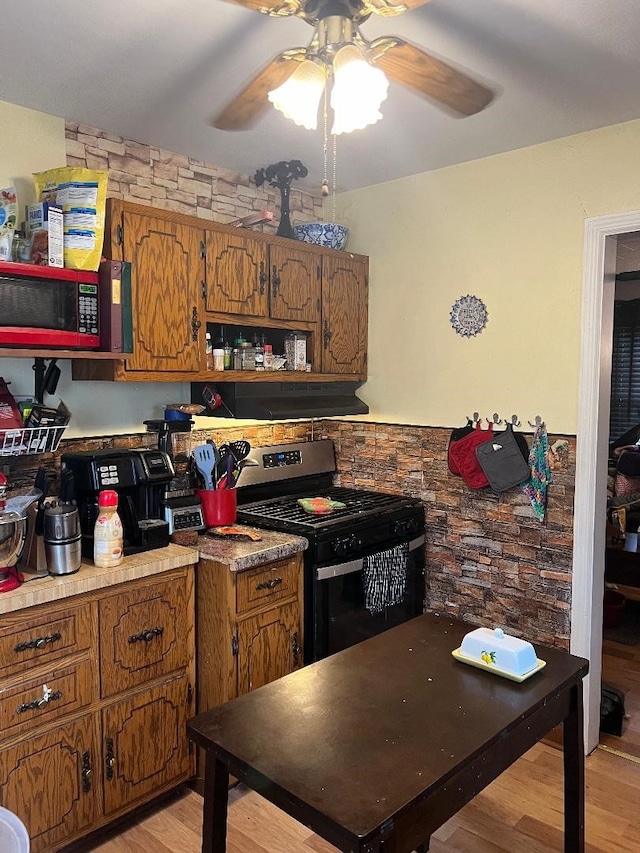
(376, 747)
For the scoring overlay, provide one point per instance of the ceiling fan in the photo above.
(336, 25)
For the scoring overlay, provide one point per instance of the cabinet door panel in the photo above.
(52, 783)
(144, 633)
(295, 284)
(167, 271)
(268, 646)
(145, 744)
(344, 316)
(33, 701)
(49, 636)
(237, 275)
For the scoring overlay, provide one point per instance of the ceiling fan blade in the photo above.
(249, 106)
(388, 8)
(428, 76)
(281, 8)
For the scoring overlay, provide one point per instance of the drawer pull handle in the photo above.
(87, 772)
(110, 759)
(272, 584)
(296, 648)
(48, 695)
(38, 643)
(146, 636)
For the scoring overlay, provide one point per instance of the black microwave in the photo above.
(49, 307)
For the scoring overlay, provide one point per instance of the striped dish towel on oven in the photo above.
(385, 578)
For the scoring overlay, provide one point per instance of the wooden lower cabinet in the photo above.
(80, 744)
(249, 629)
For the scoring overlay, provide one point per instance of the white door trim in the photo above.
(598, 287)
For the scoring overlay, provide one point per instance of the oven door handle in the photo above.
(335, 571)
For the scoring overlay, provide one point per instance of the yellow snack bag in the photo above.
(82, 194)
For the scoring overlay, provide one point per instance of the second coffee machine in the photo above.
(139, 477)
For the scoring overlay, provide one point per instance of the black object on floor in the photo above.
(611, 710)
(627, 631)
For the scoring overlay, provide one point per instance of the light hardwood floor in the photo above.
(621, 668)
(521, 812)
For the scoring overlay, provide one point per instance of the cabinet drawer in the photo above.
(49, 636)
(38, 700)
(266, 585)
(144, 633)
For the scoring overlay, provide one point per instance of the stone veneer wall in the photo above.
(149, 175)
(488, 559)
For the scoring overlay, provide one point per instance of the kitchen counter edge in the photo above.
(241, 554)
(42, 590)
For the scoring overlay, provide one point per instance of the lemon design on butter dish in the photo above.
(488, 657)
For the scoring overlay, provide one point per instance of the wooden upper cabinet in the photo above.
(295, 284)
(237, 274)
(345, 289)
(249, 277)
(167, 271)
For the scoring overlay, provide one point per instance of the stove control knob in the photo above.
(349, 546)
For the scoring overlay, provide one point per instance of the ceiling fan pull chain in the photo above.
(335, 161)
(325, 141)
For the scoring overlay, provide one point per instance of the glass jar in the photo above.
(295, 350)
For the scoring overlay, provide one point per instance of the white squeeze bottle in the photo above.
(107, 532)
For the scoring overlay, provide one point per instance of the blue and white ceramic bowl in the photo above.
(327, 234)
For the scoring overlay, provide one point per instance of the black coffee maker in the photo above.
(138, 476)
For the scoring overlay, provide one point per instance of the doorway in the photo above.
(600, 244)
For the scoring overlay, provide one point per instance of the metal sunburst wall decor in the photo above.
(468, 316)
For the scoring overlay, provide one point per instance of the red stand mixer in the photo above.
(12, 533)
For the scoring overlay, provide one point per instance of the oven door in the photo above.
(338, 612)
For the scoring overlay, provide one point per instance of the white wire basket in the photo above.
(30, 441)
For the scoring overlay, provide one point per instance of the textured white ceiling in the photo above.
(156, 71)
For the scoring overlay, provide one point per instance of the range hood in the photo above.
(281, 400)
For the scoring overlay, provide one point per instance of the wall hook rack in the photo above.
(538, 422)
(515, 421)
(474, 420)
(496, 420)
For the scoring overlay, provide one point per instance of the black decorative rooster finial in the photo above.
(280, 175)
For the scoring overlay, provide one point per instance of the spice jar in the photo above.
(295, 350)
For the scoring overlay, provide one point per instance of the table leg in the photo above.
(574, 774)
(216, 796)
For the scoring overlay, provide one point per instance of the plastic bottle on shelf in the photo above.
(259, 348)
(228, 352)
(107, 532)
(268, 357)
(218, 352)
(209, 351)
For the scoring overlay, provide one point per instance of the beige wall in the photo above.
(508, 229)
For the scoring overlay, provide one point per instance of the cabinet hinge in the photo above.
(318, 272)
(203, 249)
(203, 289)
(189, 694)
(120, 235)
(234, 646)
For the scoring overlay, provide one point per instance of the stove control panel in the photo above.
(279, 460)
(350, 546)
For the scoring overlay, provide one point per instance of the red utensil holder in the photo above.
(218, 506)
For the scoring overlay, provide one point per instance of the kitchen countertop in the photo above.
(40, 590)
(241, 554)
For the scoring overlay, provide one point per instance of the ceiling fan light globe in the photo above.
(298, 98)
(358, 90)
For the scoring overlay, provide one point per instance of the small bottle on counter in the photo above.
(268, 357)
(107, 532)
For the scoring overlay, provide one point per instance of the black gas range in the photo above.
(346, 546)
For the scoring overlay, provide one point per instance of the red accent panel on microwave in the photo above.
(24, 337)
(36, 271)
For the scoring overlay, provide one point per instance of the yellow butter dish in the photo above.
(501, 653)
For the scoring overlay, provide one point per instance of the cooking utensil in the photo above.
(240, 448)
(221, 465)
(205, 463)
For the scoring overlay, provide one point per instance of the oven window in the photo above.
(341, 618)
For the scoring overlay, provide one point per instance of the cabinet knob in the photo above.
(270, 584)
(275, 281)
(87, 772)
(262, 278)
(38, 642)
(147, 635)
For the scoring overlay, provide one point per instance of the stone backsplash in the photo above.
(158, 178)
(488, 559)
